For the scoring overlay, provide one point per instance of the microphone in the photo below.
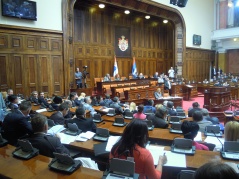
(218, 139)
(45, 137)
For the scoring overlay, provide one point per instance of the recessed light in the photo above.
(126, 11)
(235, 39)
(147, 17)
(101, 6)
(165, 21)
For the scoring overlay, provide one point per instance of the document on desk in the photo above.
(85, 136)
(214, 140)
(106, 109)
(41, 110)
(198, 138)
(55, 129)
(111, 141)
(66, 139)
(156, 151)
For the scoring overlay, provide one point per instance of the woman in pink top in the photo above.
(132, 144)
(140, 114)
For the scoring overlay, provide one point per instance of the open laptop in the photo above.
(111, 112)
(150, 125)
(176, 128)
(174, 119)
(128, 115)
(97, 118)
(73, 129)
(102, 134)
(119, 121)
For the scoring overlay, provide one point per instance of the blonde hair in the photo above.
(132, 106)
(231, 131)
(159, 90)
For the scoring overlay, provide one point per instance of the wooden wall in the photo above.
(152, 44)
(31, 59)
(197, 64)
(232, 62)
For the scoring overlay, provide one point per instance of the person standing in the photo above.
(213, 72)
(78, 77)
(171, 72)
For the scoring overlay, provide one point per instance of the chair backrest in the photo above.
(97, 117)
(174, 119)
(50, 123)
(102, 132)
(73, 127)
(119, 120)
(128, 114)
(186, 174)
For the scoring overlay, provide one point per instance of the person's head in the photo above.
(57, 100)
(69, 103)
(82, 94)
(77, 69)
(115, 99)
(204, 112)
(25, 107)
(107, 75)
(195, 105)
(189, 129)
(132, 106)
(42, 94)
(231, 131)
(150, 102)
(80, 112)
(73, 95)
(35, 94)
(140, 108)
(9, 92)
(156, 73)
(99, 98)
(170, 104)
(159, 90)
(87, 99)
(161, 111)
(141, 74)
(13, 99)
(117, 75)
(64, 108)
(107, 96)
(214, 170)
(39, 123)
(135, 133)
(197, 116)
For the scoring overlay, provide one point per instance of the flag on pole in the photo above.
(134, 68)
(115, 68)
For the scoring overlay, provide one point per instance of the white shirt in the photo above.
(171, 73)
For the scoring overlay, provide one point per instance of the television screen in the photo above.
(22, 9)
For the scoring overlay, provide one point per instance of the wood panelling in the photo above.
(32, 61)
(197, 64)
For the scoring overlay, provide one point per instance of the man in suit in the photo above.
(196, 107)
(34, 97)
(213, 72)
(149, 107)
(115, 104)
(42, 100)
(87, 106)
(168, 85)
(13, 105)
(58, 117)
(198, 118)
(46, 144)
(78, 78)
(16, 125)
(74, 99)
(156, 75)
(170, 109)
(85, 124)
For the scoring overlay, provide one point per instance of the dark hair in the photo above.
(140, 108)
(72, 94)
(150, 102)
(57, 100)
(25, 106)
(38, 122)
(115, 99)
(63, 106)
(189, 129)
(80, 111)
(197, 116)
(136, 132)
(214, 170)
(107, 96)
(195, 105)
(161, 111)
(170, 104)
(12, 98)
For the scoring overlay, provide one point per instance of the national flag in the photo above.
(115, 68)
(134, 68)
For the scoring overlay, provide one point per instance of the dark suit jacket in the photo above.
(34, 100)
(15, 126)
(190, 113)
(42, 100)
(85, 124)
(117, 107)
(166, 85)
(55, 106)
(158, 122)
(58, 118)
(47, 144)
(171, 112)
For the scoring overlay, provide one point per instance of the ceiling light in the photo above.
(237, 3)
(230, 4)
(126, 11)
(147, 17)
(235, 39)
(101, 6)
(165, 21)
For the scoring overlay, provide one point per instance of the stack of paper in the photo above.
(66, 139)
(84, 136)
(41, 110)
(88, 163)
(111, 141)
(55, 129)
(215, 140)
(198, 137)
(156, 151)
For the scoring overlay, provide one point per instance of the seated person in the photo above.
(205, 81)
(34, 97)
(74, 99)
(158, 119)
(196, 107)
(9, 92)
(85, 124)
(149, 107)
(116, 105)
(58, 117)
(190, 131)
(198, 118)
(107, 100)
(117, 77)
(160, 79)
(87, 106)
(135, 75)
(141, 76)
(217, 83)
(140, 114)
(225, 84)
(158, 94)
(42, 100)
(57, 101)
(107, 78)
(132, 144)
(231, 131)
(132, 107)
(16, 125)
(69, 114)
(171, 110)
(99, 101)
(13, 102)
(214, 170)
(82, 97)
(206, 116)
(46, 144)
(156, 75)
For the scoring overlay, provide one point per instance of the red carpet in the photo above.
(188, 104)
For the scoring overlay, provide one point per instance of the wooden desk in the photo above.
(37, 167)
(184, 91)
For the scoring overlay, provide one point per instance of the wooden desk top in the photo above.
(37, 167)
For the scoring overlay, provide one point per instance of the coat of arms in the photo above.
(123, 43)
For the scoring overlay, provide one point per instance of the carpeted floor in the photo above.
(188, 104)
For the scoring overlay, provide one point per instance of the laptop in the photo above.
(119, 121)
(73, 129)
(213, 130)
(128, 115)
(102, 134)
(111, 112)
(174, 119)
(150, 125)
(97, 118)
(176, 128)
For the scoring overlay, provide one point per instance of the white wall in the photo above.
(49, 16)
(199, 19)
